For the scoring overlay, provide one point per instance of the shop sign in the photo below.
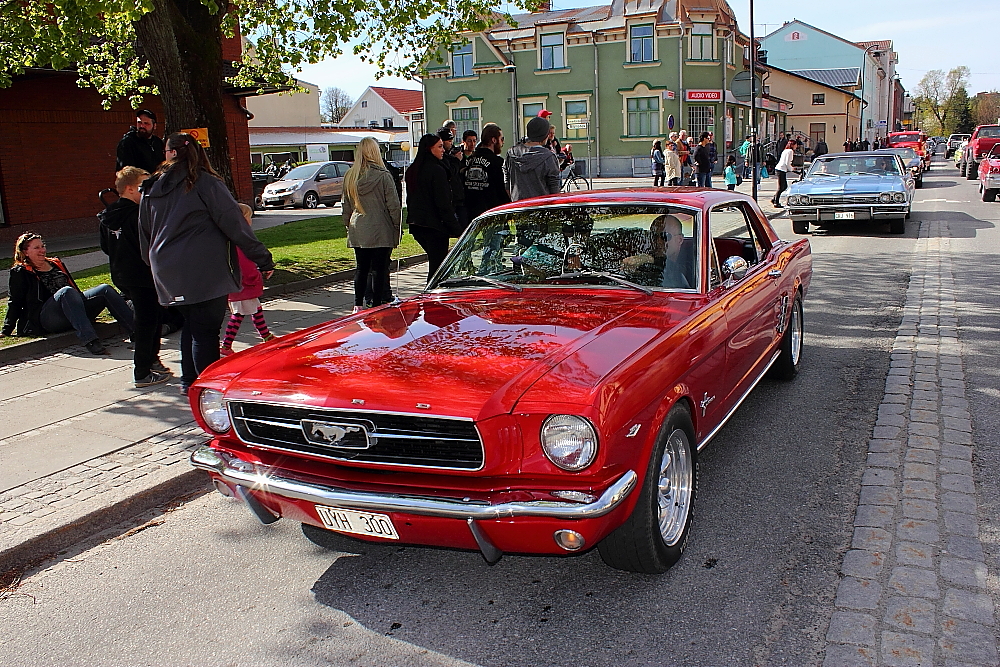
(703, 95)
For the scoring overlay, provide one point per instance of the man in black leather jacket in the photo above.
(140, 147)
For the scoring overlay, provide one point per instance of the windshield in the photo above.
(303, 173)
(905, 153)
(990, 132)
(875, 165)
(647, 246)
(903, 138)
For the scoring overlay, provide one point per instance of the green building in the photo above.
(615, 77)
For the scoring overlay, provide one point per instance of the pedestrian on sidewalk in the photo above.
(658, 164)
(372, 214)
(430, 213)
(672, 165)
(730, 173)
(189, 228)
(703, 161)
(783, 167)
(247, 301)
(532, 169)
(484, 186)
(130, 274)
(43, 298)
(455, 166)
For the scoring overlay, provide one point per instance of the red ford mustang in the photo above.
(549, 392)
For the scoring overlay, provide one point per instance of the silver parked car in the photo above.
(307, 186)
(852, 186)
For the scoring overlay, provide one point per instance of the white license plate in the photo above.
(843, 215)
(358, 523)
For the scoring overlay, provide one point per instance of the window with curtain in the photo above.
(466, 118)
(641, 44)
(574, 110)
(461, 61)
(553, 56)
(643, 116)
(701, 41)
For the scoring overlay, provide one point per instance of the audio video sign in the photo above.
(703, 95)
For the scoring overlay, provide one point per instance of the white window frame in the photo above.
(523, 102)
(641, 90)
(465, 102)
(822, 101)
(576, 134)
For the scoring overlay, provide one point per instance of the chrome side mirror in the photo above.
(734, 269)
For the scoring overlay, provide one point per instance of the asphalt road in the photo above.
(204, 584)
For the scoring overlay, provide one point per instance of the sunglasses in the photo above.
(666, 236)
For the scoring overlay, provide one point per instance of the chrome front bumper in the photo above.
(247, 475)
(861, 212)
(992, 183)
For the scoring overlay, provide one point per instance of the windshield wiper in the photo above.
(602, 274)
(481, 279)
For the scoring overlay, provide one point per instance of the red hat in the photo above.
(544, 113)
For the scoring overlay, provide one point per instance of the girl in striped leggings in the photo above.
(246, 302)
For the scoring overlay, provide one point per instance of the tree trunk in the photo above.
(183, 43)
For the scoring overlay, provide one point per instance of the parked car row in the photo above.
(982, 140)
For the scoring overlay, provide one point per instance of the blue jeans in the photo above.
(705, 179)
(69, 308)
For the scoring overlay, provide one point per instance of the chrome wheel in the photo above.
(674, 487)
(796, 333)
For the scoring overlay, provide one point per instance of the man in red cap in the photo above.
(544, 113)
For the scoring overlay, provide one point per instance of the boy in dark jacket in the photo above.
(132, 276)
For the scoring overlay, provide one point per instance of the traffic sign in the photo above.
(740, 86)
(577, 124)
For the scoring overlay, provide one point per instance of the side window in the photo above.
(342, 168)
(733, 235)
(714, 268)
(328, 171)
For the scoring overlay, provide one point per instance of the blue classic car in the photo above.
(852, 186)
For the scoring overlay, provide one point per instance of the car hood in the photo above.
(282, 185)
(846, 185)
(463, 357)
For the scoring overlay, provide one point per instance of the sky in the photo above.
(927, 34)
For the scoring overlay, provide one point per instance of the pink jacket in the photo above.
(253, 281)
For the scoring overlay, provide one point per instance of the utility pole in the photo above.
(755, 143)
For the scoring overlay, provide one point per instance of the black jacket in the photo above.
(484, 183)
(189, 238)
(456, 176)
(430, 202)
(134, 151)
(120, 242)
(27, 296)
(703, 158)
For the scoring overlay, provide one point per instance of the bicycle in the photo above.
(574, 181)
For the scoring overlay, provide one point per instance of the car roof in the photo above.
(855, 153)
(686, 196)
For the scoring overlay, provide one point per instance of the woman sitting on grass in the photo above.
(44, 299)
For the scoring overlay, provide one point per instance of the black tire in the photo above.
(800, 226)
(897, 225)
(638, 545)
(971, 171)
(989, 195)
(310, 200)
(919, 182)
(787, 365)
(961, 169)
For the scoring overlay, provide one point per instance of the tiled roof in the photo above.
(882, 44)
(577, 15)
(847, 76)
(401, 99)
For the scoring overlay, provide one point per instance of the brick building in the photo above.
(57, 151)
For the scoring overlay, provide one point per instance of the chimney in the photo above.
(544, 6)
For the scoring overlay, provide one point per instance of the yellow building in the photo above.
(824, 105)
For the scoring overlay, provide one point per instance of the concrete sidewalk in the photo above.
(85, 450)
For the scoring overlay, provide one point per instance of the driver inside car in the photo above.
(665, 266)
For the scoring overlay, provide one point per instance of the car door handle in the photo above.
(774, 273)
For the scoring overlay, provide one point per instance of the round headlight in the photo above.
(213, 410)
(885, 197)
(898, 196)
(804, 199)
(569, 441)
(793, 199)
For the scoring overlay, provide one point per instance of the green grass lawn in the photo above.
(302, 249)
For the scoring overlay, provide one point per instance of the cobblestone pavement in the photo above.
(120, 468)
(913, 587)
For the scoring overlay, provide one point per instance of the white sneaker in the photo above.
(357, 309)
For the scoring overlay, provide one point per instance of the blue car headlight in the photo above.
(885, 197)
(899, 197)
(793, 199)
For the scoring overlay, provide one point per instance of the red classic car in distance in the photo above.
(547, 393)
(982, 141)
(914, 139)
(989, 174)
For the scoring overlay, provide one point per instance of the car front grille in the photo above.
(843, 199)
(359, 436)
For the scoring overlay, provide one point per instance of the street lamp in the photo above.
(888, 104)
(864, 70)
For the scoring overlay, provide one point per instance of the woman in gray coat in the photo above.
(372, 213)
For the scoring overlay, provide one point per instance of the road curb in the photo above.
(49, 543)
(107, 329)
